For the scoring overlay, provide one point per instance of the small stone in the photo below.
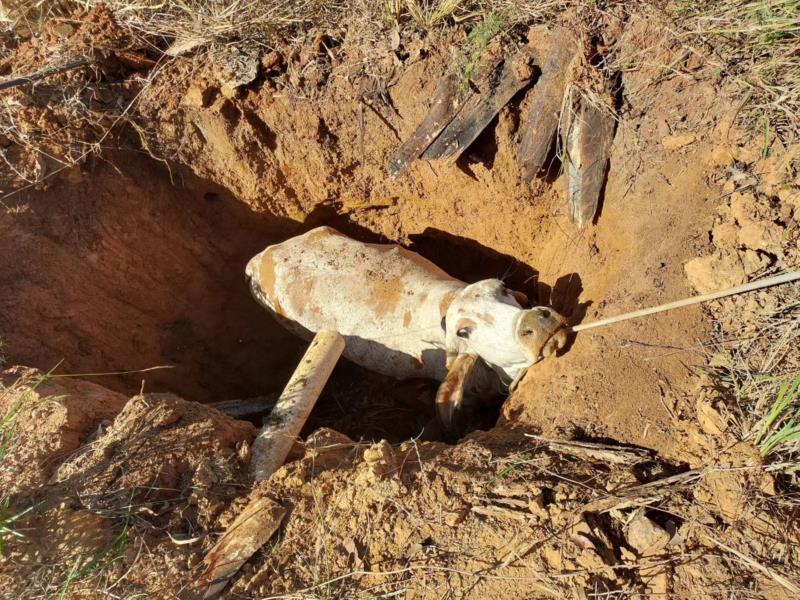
(454, 518)
(380, 459)
(729, 187)
(674, 142)
(743, 206)
(228, 91)
(711, 421)
(753, 262)
(760, 235)
(199, 97)
(63, 30)
(645, 535)
(724, 236)
(715, 272)
(271, 60)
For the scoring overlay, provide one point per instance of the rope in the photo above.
(747, 287)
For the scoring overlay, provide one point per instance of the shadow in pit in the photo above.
(471, 261)
(132, 266)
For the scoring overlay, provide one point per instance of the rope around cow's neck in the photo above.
(747, 287)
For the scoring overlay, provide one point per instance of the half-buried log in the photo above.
(445, 106)
(245, 408)
(555, 51)
(257, 523)
(513, 75)
(587, 136)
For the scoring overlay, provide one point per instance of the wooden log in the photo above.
(242, 408)
(555, 51)
(445, 106)
(588, 135)
(257, 523)
(514, 74)
(273, 443)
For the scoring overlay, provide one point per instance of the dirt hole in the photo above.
(158, 282)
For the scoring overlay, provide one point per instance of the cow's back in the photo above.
(386, 301)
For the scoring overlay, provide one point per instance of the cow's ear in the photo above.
(450, 394)
(522, 299)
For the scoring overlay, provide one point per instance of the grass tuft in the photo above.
(758, 374)
(97, 562)
(759, 44)
(478, 39)
(780, 432)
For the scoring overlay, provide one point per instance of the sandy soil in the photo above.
(132, 263)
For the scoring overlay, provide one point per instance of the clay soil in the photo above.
(128, 271)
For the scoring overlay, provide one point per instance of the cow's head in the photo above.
(486, 320)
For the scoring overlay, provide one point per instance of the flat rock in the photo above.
(645, 535)
(715, 272)
(673, 142)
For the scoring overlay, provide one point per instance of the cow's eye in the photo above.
(464, 332)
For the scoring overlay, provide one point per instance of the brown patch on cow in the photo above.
(487, 318)
(385, 296)
(465, 323)
(407, 318)
(266, 280)
(445, 302)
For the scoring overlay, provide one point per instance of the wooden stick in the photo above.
(286, 420)
(747, 287)
(71, 64)
(247, 407)
(257, 523)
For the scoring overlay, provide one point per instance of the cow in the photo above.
(402, 316)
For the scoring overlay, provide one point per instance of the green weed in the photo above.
(781, 429)
(523, 459)
(7, 520)
(8, 421)
(96, 563)
(479, 38)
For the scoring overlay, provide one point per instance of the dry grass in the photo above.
(758, 43)
(758, 376)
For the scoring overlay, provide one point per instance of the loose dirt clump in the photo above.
(49, 420)
(162, 465)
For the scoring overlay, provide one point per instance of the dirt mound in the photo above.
(162, 465)
(151, 447)
(501, 514)
(49, 420)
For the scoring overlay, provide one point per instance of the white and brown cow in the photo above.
(403, 316)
